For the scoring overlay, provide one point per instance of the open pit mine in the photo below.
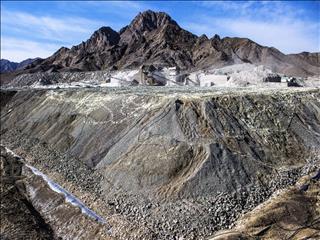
(174, 143)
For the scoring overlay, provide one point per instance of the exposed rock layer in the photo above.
(160, 155)
(173, 145)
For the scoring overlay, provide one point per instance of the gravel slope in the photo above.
(171, 162)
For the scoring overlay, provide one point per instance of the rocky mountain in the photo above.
(155, 38)
(311, 58)
(8, 66)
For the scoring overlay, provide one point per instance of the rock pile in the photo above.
(172, 163)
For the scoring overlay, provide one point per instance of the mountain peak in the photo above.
(105, 35)
(216, 37)
(150, 20)
(104, 30)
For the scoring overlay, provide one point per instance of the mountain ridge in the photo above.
(8, 66)
(155, 38)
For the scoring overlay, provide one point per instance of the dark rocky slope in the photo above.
(8, 66)
(290, 214)
(19, 218)
(9, 70)
(30, 209)
(155, 38)
(174, 165)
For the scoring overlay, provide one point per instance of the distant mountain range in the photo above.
(8, 66)
(155, 38)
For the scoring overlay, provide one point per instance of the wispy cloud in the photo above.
(121, 11)
(269, 23)
(64, 29)
(240, 6)
(126, 5)
(25, 35)
(291, 36)
(255, 9)
(17, 49)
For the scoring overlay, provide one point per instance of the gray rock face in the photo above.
(176, 162)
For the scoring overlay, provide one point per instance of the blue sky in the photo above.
(38, 29)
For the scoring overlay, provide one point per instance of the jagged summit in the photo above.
(103, 32)
(103, 37)
(216, 36)
(149, 20)
(155, 38)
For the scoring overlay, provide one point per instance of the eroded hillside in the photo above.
(172, 162)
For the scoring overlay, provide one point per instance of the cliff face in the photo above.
(149, 151)
(155, 38)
